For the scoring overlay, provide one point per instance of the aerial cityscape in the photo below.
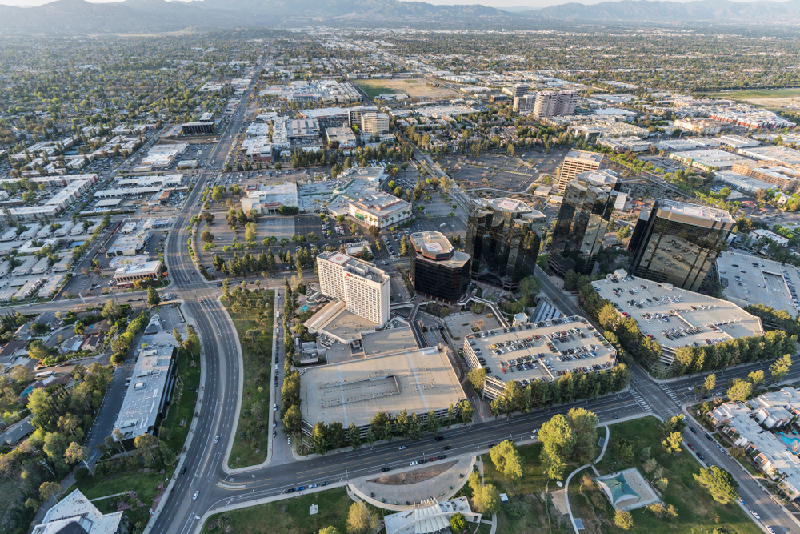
(401, 268)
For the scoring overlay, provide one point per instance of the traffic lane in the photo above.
(462, 439)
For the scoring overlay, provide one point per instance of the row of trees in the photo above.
(566, 438)
(540, 393)
(625, 333)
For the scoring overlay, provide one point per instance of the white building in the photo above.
(130, 273)
(374, 123)
(360, 285)
(554, 103)
(770, 235)
(380, 209)
(268, 199)
(76, 514)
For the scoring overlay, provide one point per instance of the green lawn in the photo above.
(144, 484)
(757, 93)
(697, 511)
(181, 409)
(374, 90)
(291, 516)
(252, 435)
(525, 511)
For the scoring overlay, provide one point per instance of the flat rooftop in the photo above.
(436, 247)
(676, 317)
(748, 279)
(542, 351)
(686, 211)
(712, 158)
(506, 204)
(353, 392)
(387, 341)
(585, 156)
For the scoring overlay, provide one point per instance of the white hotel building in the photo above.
(361, 286)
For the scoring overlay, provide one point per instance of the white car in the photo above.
(216, 439)
(274, 407)
(414, 463)
(194, 497)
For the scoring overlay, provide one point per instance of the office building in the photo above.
(554, 103)
(674, 317)
(583, 221)
(195, 128)
(537, 352)
(380, 209)
(520, 89)
(678, 243)
(356, 112)
(75, 514)
(503, 239)
(576, 162)
(374, 123)
(360, 285)
(129, 273)
(437, 269)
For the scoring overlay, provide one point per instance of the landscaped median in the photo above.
(252, 312)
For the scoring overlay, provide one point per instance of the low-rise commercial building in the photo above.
(537, 351)
(675, 317)
(127, 274)
(708, 160)
(129, 245)
(197, 128)
(380, 209)
(438, 270)
(268, 199)
(75, 514)
(784, 178)
(769, 235)
(150, 388)
(342, 135)
(780, 155)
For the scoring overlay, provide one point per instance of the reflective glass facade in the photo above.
(503, 238)
(437, 269)
(679, 243)
(582, 222)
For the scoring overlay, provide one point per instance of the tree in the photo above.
(328, 530)
(21, 374)
(360, 520)
(624, 232)
(507, 460)
(528, 288)
(354, 434)
(710, 383)
(458, 523)
(719, 482)
(293, 419)
(740, 390)
(111, 311)
(584, 426)
(177, 335)
(319, 438)
(48, 490)
(756, 377)
(75, 453)
(558, 441)
(152, 297)
(623, 520)
(467, 411)
(486, 498)
(477, 377)
(207, 236)
(673, 442)
(780, 368)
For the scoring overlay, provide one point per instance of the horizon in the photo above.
(500, 4)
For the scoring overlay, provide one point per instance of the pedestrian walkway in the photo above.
(401, 496)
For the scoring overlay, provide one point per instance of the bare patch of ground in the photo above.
(415, 476)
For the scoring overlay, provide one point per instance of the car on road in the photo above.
(194, 497)
(709, 438)
(447, 448)
(276, 366)
(690, 446)
(439, 438)
(219, 284)
(769, 529)
(216, 439)
(274, 407)
(616, 417)
(692, 430)
(441, 457)
(183, 471)
(414, 463)
(432, 459)
(755, 514)
(385, 469)
(289, 490)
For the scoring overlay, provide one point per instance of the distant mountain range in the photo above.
(71, 17)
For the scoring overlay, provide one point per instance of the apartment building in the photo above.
(360, 285)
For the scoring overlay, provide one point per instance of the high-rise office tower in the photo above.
(437, 268)
(582, 221)
(678, 243)
(503, 238)
(554, 103)
(520, 89)
(576, 162)
(360, 285)
(525, 103)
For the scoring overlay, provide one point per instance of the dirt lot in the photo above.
(412, 477)
(413, 87)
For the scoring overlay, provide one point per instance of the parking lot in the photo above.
(510, 173)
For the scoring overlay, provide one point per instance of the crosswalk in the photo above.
(641, 402)
(671, 394)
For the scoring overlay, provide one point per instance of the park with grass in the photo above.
(252, 312)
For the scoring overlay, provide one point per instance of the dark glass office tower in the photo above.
(582, 221)
(678, 243)
(503, 238)
(437, 269)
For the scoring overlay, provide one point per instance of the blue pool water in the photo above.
(303, 309)
(27, 390)
(793, 444)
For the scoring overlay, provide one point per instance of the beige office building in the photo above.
(554, 103)
(576, 162)
(360, 285)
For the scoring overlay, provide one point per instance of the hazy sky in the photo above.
(493, 3)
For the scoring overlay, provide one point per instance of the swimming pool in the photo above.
(793, 444)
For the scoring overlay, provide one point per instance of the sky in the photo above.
(491, 3)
